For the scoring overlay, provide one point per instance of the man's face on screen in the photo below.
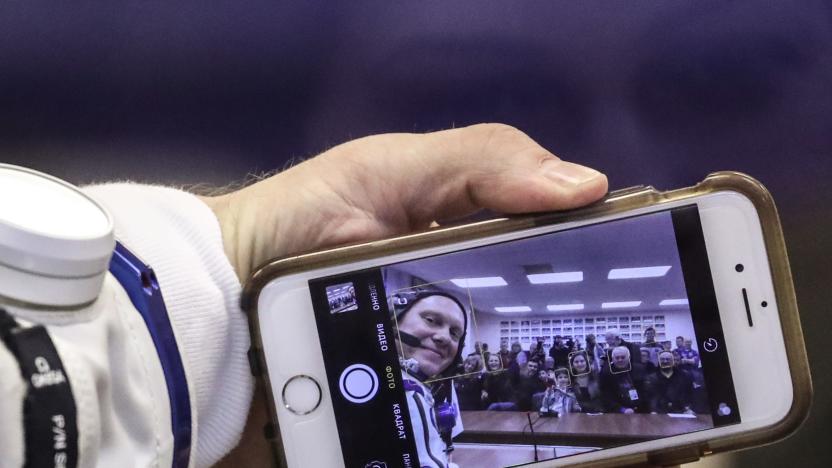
(666, 360)
(438, 323)
(649, 335)
(533, 368)
(620, 359)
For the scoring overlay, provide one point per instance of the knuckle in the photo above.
(497, 130)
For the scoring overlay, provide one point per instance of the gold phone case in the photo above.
(616, 202)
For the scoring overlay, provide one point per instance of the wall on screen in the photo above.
(490, 330)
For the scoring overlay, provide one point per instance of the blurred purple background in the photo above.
(654, 92)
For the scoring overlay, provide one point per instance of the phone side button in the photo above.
(676, 456)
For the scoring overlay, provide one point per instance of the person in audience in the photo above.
(549, 363)
(559, 399)
(670, 389)
(477, 349)
(595, 352)
(559, 352)
(650, 339)
(469, 385)
(526, 385)
(536, 352)
(677, 359)
(485, 352)
(690, 357)
(646, 359)
(570, 344)
(666, 345)
(496, 387)
(519, 365)
(689, 362)
(680, 342)
(614, 340)
(622, 383)
(515, 350)
(585, 383)
(504, 354)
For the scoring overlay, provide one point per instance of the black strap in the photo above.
(49, 413)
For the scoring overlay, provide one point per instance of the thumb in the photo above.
(507, 171)
(454, 173)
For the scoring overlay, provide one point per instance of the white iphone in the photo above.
(649, 327)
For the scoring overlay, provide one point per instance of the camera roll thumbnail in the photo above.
(341, 298)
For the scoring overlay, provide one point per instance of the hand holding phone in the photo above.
(667, 261)
(386, 185)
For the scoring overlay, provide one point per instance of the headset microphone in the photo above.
(410, 340)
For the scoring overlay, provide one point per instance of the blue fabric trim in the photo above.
(141, 285)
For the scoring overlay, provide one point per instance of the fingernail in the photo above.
(567, 173)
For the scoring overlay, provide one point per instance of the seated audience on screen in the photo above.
(559, 399)
(670, 389)
(622, 383)
(586, 384)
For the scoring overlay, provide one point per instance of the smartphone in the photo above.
(669, 319)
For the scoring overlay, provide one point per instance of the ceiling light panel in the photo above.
(482, 282)
(563, 307)
(673, 302)
(620, 305)
(564, 277)
(513, 309)
(641, 272)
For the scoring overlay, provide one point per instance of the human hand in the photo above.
(386, 185)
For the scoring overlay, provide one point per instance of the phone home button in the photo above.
(301, 394)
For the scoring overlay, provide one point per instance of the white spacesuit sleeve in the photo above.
(179, 237)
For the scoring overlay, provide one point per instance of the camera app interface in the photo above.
(528, 350)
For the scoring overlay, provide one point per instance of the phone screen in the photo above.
(528, 350)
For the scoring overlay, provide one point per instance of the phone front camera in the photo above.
(764, 304)
(739, 268)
